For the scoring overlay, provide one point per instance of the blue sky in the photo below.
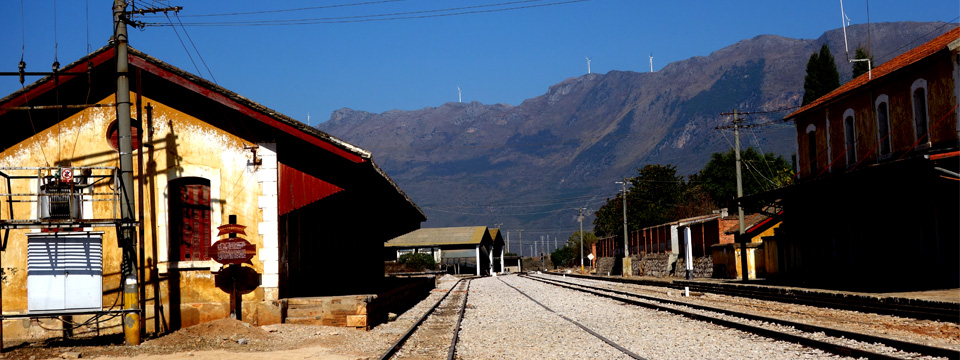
(502, 56)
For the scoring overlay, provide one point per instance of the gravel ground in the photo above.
(937, 333)
(500, 323)
(537, 333)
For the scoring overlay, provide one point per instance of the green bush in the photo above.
(418, 262)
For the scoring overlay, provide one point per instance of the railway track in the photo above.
(795, 332)
(435, 334)
(917, 309)
(622, 349)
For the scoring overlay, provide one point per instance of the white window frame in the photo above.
(163, 239)
(883, 98)
(812, 129)
(918, 84)
(850, 138)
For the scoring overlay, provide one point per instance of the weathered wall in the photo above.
(182, 146)
(937, 71)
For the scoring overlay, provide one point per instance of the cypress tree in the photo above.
(822, 76)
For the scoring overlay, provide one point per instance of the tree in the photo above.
(694, 201)
(573, 242)
(861, 67)
(760, 172)
(822, 76)
(563, 257)
(652, 199)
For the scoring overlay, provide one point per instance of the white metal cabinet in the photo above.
(64, 272)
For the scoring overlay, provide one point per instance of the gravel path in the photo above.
(533, 332)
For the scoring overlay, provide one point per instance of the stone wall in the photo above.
(702, 267)
(657, 265)
(605, 265)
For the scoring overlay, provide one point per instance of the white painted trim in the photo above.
(811, 128)
(883, 98)
(850, 139)
(478, 259)
(955, 56)
(268, 226)
(829, 147)
(917, 84)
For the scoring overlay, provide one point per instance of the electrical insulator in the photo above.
(22, 67)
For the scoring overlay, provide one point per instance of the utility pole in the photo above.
(581, 239)
(508, 241)
(740, 238)
(521, 245)
(128, 223)
(127, 233)
(626, 243)
(743, 241)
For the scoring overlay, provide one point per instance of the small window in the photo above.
(920, 120)
(883, 126)
(190, 233)
(850, 137)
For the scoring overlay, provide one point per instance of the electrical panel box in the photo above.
(64, 272)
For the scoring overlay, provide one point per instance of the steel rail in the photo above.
(823, 345)
(456, 331)
(581, 326)
(399, 343)
(915, 311)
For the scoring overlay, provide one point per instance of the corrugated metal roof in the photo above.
(467, 235)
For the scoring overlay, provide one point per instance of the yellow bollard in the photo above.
(131, 320)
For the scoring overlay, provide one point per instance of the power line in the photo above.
(294, 9)
(378, 17)
(194, 47)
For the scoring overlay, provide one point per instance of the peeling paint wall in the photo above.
(180, 146)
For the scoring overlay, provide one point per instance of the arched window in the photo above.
(850, 137)
(883, 125)
(812, 149)
(920, 119)
(190, 234)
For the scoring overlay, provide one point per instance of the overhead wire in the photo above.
(195, 48)
(420, 14)
(184, 45)
(295, 9)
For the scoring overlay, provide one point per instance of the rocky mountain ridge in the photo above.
(475, 164)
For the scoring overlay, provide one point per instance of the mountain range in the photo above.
(531, 166)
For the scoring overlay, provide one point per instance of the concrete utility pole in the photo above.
(581, 239)
(743, 241)
(627, 270)
(127, 234)
(128, 222)
(521, 245)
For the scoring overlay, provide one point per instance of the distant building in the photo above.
(460, 250)
(876, 201)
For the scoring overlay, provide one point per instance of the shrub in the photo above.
(418, 262)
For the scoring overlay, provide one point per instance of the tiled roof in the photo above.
(467, 235)
(913, 55)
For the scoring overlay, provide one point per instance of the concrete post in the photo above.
(688, 249)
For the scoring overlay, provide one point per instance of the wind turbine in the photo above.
(588, 65)
(651, 62)
(459, 94)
